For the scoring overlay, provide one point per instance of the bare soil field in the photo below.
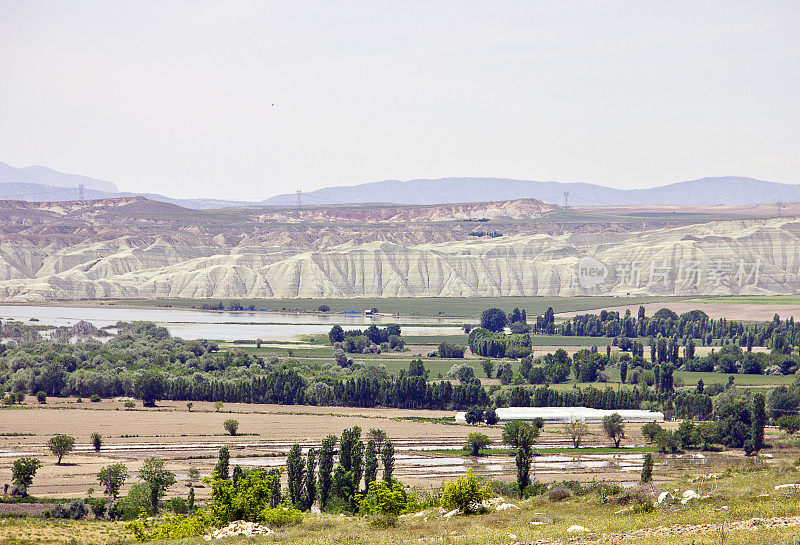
(427, 451)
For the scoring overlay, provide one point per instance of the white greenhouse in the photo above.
(569, 414)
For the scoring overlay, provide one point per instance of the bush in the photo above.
(130, 405)
(41, 397)
(789, 423)
(171, 527)
(178, 506)
(465, 494)
(559, 494)
(382, 500)
(95, 398)
(281, 516)
(74, 510)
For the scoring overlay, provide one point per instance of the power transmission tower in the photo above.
(566, 200)
(80, 193)
(299, 198)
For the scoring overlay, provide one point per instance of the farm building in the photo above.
(569, 414)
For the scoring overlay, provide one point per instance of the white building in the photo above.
(569, 414)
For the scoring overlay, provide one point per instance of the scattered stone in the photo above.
(239, 528)
(452, 513)
(665, 498)
(537, 523)
(576, 529)
(506, 506)
(688, 496)
(512, 536)
(787, 486)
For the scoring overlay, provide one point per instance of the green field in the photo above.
(469, 308)
(691, 378)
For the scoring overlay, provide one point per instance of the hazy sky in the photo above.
(242, 99)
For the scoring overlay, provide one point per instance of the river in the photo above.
(227, 325)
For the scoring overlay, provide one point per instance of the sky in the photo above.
(245, 100)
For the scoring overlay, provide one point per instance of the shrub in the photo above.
(95, 398)
(41, 396)
(465, 494)
(97, 441)
(130, 405)
(559, 494)
(231, 426)
(74, 510)
(171, 527)
(281, 516)
(178, 506)
(382, 500)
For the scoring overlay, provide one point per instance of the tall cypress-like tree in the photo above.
(275, 487)
(295, 469)
(311, 480)
(326, 469)
(758, 420)
(357, 459)
(348, 447)
(223, 463)
(387, 457)
(370, 463)
(523, 462)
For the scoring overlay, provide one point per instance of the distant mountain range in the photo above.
(38, 184)
(722, 190)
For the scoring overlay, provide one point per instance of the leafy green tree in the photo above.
(22, 473)
(474, 415)
(370, 463)
(490, 416)
(61, 445)
(387, 457)
(476, 442)
(614, 428)
(336, 334)
(494, 319)
(517, 433)
(223, 463)
(790, 423)
(326, 469)
(576, 429)
(112, 478)
(157, 478)
(41, 396)
(295, 472)
(647, 468)
(650, 430)
(488, 367)
(231, 426)
(149, 387)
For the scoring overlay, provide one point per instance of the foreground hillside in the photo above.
(135, 248)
